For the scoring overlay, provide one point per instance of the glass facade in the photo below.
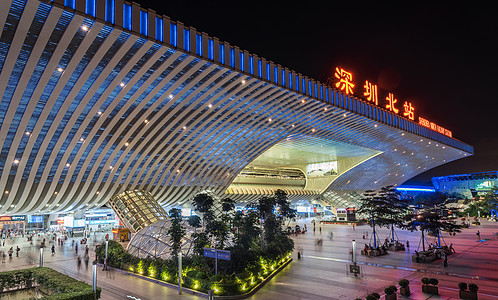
(137, 209)
(154, 241)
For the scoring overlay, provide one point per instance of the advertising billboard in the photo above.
(322, 169)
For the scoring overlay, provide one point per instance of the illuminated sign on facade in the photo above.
(391, 102)
(345, 83)
(371, 92)
(409, 111)
(434, 126)
(12, 218)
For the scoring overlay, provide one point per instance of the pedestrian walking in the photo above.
(10, 252)
(17, 251)
(87, 258)
(445, 262)
(79, 263)
(478, 235)
(320, 229)
(53, 249)
(407, 244)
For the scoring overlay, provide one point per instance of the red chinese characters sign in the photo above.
(344, 83)
(370, 92)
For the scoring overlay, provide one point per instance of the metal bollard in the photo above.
(210, 295)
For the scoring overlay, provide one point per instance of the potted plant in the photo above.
(429, 286)
(373, 296)
(404, 285)
(470, 294)
(391, 292)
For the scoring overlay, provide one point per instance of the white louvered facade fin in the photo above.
(97, 100)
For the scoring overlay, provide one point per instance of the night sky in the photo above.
(441, 57)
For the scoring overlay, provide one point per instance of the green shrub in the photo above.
(425, 280)
(229, 288)
(216, 278)
(473, 287)
(63, 286)
(433, 281)
(243, 275)
(462, 286)
(201, 275)
(191, 273)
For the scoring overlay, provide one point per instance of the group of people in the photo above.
(10, 252)
(369, 250)
(297, 230)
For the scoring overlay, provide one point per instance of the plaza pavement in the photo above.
(320, 274)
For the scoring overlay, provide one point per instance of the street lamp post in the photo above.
(106, 251)
(94, 277)
(180, 272)
(354, 252)
(41, 257)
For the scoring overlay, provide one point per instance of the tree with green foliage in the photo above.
(246, 248)
(199, 239)
(176, 231)
(265, 207)
(485, 205)
(284, 209)
(194, 221)
(430, 221)
(374, 208)
(247, 229)
(227, 205)
(203, 204)
(383, 208)
(272, 211)
(394, 210)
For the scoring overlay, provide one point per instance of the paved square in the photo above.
(320, 274)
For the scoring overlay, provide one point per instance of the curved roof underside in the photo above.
(89, 110)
